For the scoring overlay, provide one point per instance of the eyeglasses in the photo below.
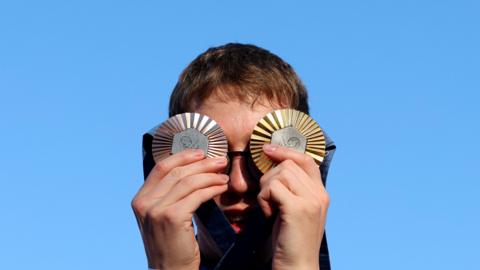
(251, 169)
(286, 127)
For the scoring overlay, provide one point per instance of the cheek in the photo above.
(228, 199)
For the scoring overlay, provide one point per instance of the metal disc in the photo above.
(289, 128)
(189, 130)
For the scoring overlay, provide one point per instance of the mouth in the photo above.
(237, 218)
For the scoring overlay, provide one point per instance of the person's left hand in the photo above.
(295, 188)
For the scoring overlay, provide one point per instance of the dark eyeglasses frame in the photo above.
(252, 170)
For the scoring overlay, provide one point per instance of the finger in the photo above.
(208, 165)
(278, 154)
(163, 167)
(285, 165)
(192, 201)
(290, 175)
(192, 183)
(276, 194)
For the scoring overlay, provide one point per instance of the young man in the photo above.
(236, 85)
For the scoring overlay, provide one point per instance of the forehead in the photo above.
(236, 118)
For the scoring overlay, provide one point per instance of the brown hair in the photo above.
(238, 71)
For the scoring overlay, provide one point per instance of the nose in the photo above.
(239, 182)
(241, 187)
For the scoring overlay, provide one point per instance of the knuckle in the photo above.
(284, 174)
(154, 214)
(160, 168)
(177, 172)
(274, 185)
(162, 215)
(209, 162)
(139, 204)
(188, 182)
(325, 198)
(170, 215)
(313, 209)
(321, 202)
(263, 179)
(307, 159)
(287, 163)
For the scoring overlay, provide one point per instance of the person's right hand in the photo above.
(165, 204)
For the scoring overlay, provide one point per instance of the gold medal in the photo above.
(289, 128)
(189, 131)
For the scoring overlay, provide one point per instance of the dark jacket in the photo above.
(238, 251)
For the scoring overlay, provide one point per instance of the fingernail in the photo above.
(225, 177)
(198, 152)
(220, 160)
(269, 147)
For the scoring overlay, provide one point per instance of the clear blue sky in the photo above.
(395, 83)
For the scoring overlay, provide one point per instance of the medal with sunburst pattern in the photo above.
(289, 128)
(189, 130)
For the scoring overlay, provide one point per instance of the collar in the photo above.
(220, 246)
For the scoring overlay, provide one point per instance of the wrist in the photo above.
(307, 265)
(304, 267)
(172, 267)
